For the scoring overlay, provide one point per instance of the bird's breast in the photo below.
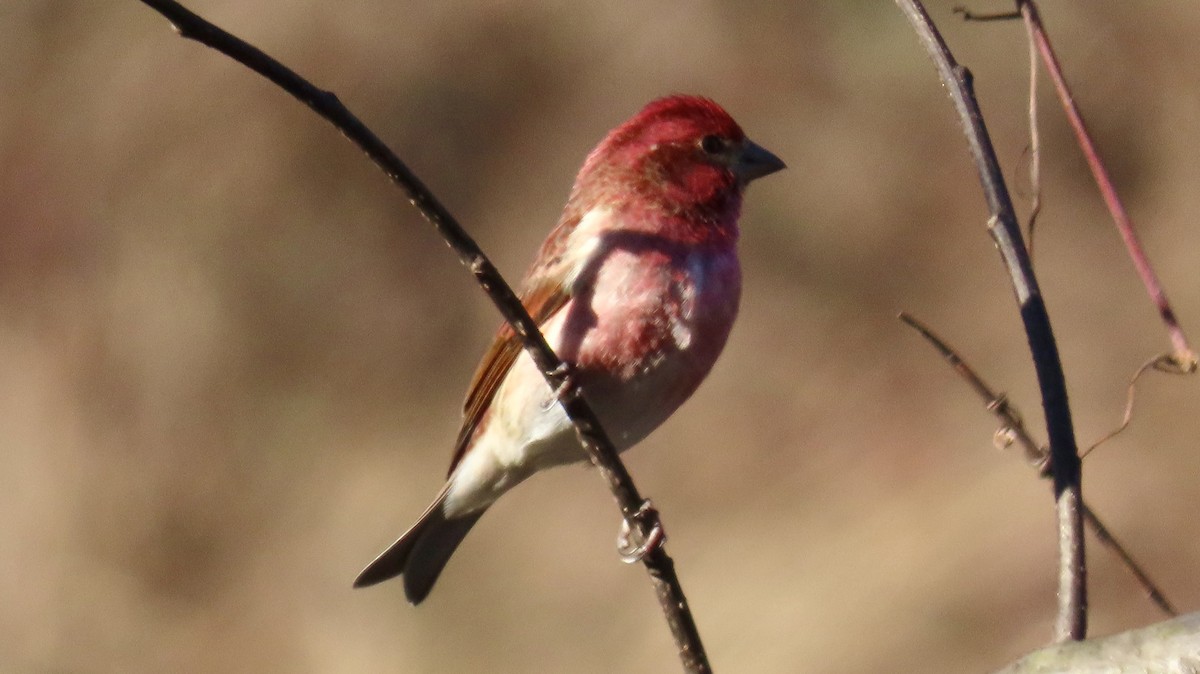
(646, 322)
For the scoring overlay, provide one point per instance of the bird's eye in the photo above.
(711, 144)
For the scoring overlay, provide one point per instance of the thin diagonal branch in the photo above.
(1013, 428)
(1071, 623)
(1184, 359)
(997, 403)
(1139, 576)
(598, 446)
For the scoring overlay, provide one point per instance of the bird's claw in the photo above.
(646, 518)
(567, 386)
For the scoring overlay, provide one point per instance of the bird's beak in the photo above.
(754, 162)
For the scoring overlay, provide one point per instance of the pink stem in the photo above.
(1184, 355)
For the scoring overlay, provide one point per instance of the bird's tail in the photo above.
(421, 552)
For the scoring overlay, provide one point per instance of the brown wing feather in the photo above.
(543, 294)
(541, 302)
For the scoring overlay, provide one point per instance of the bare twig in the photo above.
(599, 448)
(1035, 181)
(1013, 428)
(1035, 149)
(1002, 225)
(968, 15)
(1162, 363)
(1107, 540)
(997, 403)
(1183, 360)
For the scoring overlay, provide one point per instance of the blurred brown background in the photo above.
(232, 356)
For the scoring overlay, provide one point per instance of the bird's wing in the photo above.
(543, 295)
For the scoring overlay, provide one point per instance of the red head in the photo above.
(679, 156)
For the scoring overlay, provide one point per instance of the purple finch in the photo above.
(635, 289)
